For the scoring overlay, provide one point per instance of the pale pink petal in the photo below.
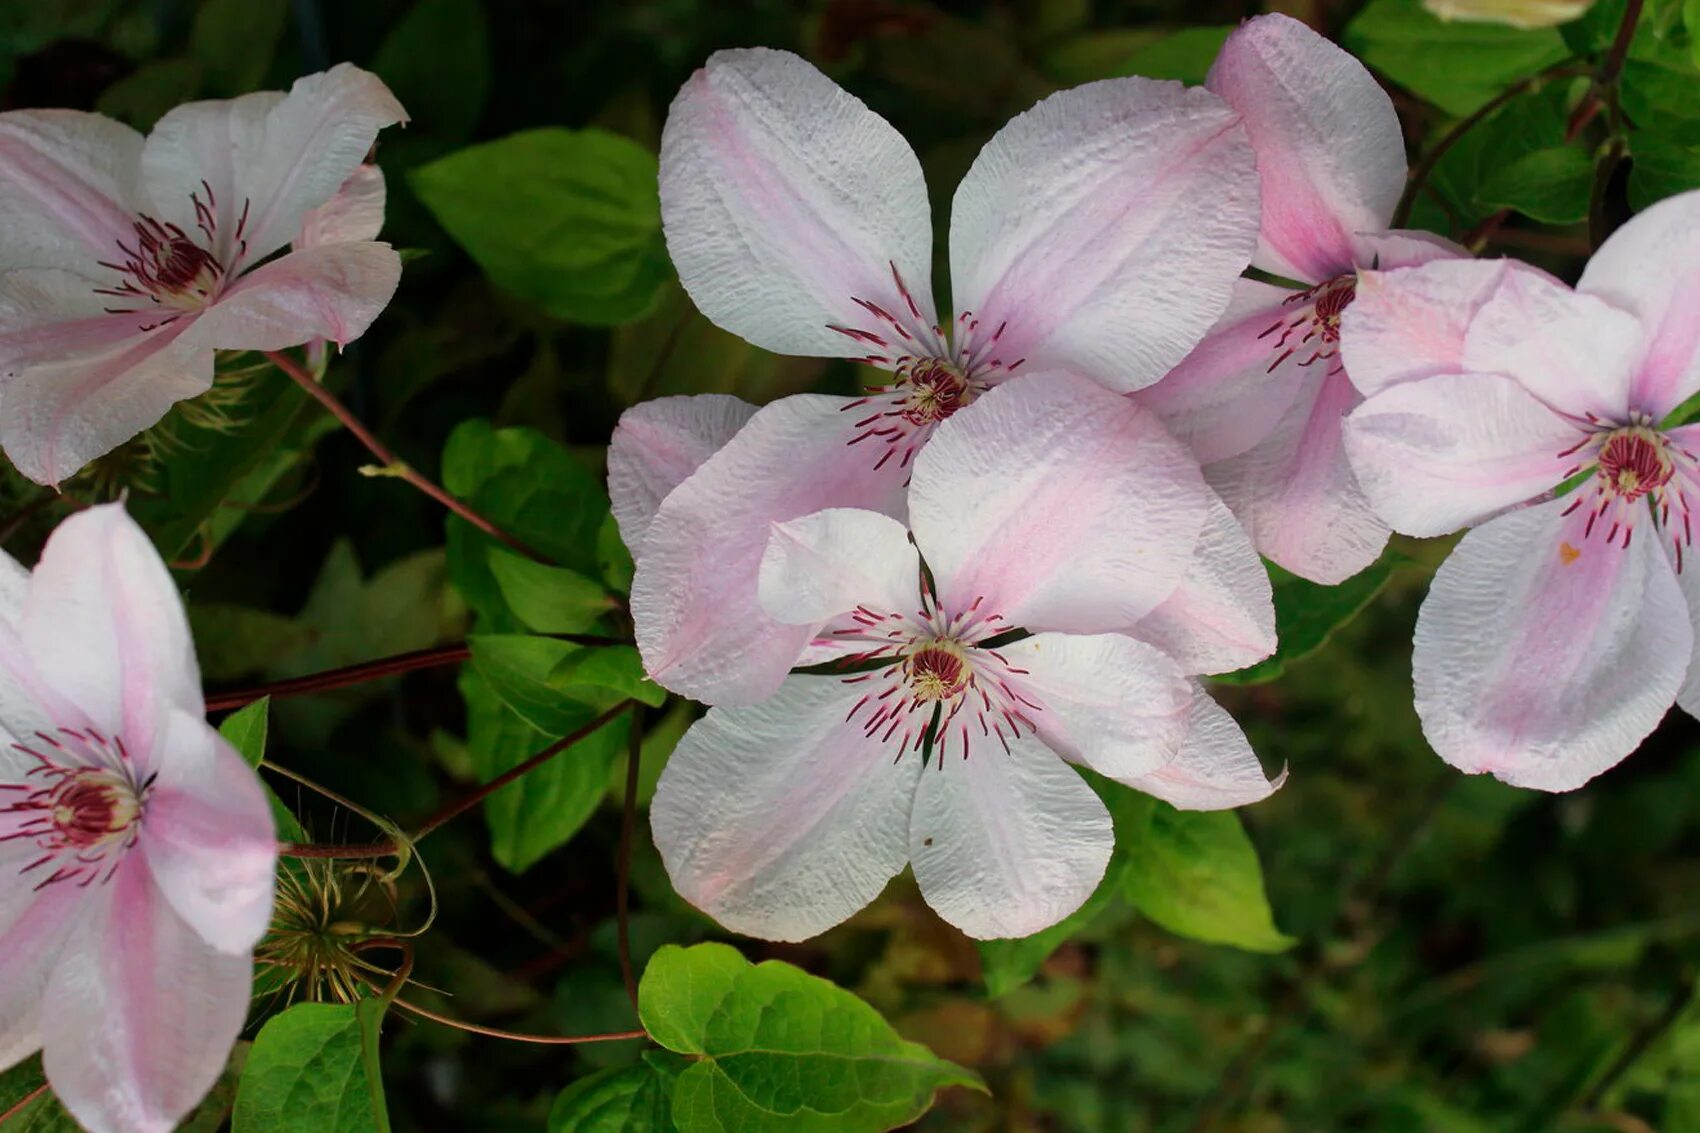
(1329, 149)
(105, 626)
(268, 158)
(785, 200)
(1410, 323)
(828, 563)
(1688, 578)
(1117, 705)
(1651, 268)
(1005, 845)
(1449, 451)
(659, 443)
(1403, 248)
(1221, 616)
(1573, 351)
(28, 705)
(144, 1014)
(209, 837)
(354, 215)
(332, 291)
(1544, 656)
(33, 928)
(1057, 505)
(75, 382)
(807, 818)
(66, 181)
(1295, 492)
(1103, 230)
(699, 625)
(1216, 768)
(14, 584)
(1236, 384)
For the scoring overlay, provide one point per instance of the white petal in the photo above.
(659, 443)
(33, 929)
(66, 181)
(782, 819)
(1545, 656)
(354, 215)
(1117, 705)
(828, 563)
(332, 291)
(1005, 845)
(785, 200)
(1216, 768)
(1104, 230)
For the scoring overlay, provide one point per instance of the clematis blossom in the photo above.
(1560, 629)
(1261, 399)
(1098, 234)
(126, 263)
(981, 654)
(137, 849)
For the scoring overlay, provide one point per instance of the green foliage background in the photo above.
(1416, 951)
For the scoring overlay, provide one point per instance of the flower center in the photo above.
(80, 804)
(938, 670)
(166, 270)
(932, 390)
(1635, 461)
(1313, 322)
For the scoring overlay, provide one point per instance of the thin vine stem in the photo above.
(516, 1036)
(623, 864)
(24, 1103)
(391, 465)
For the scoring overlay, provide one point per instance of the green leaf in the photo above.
(1661, 169)
(780, 1050)
(567, 219)
(633, 1100)
(437, 61)
(1535, 121)
(235, 40)
(44, 1114)
(235, 641)
(1455, 65)
(1195, 873)
(548, 599)
(1185, 55)
(612, 558)
(143, 96)
(314, 1069)
(1659, 81)
(542, 810)
(1307, 614)
(246, 729)
(1549, 185)
(1008, 964)
(550, 683)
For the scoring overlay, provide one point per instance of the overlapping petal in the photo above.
(331, 291)
(828, 563)
(1215, 769)
(806, 819)
(1059, 504)
(1329, 149)
(657, 445)
(1545, 656)
(785, 200)
(355, 213)
(1103, 229)
(1411, 323)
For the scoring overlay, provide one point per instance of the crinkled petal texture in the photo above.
(1295, 491)
(104, 627)
(1004, 845)
(66, 183)
(1411, 322)
(1058, 505)
(209, 839)
(785, 200)
(1575, 352)
(268, 158)
(1116, 705)
(332, 291)
(699, 625)
(1104, 228)
(1329, 149)
(828, 563)
(1651, 268)
(355, 213)
(657, 445)
(1544, 656)
(782, 819)
(1215, 768)
(1447, 452)
(33, 930)
(143, 1012)
(1221, 616)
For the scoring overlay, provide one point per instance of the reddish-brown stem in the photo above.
(24, 1103)
(461, 806)
(343, 677)
(514, 1036)
(623, 862)
(388, 459)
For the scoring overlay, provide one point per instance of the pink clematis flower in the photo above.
(1260, 400)
(1561, 629)
(1098, 234)
(136, 847)
(125, 263)
(971, 683)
